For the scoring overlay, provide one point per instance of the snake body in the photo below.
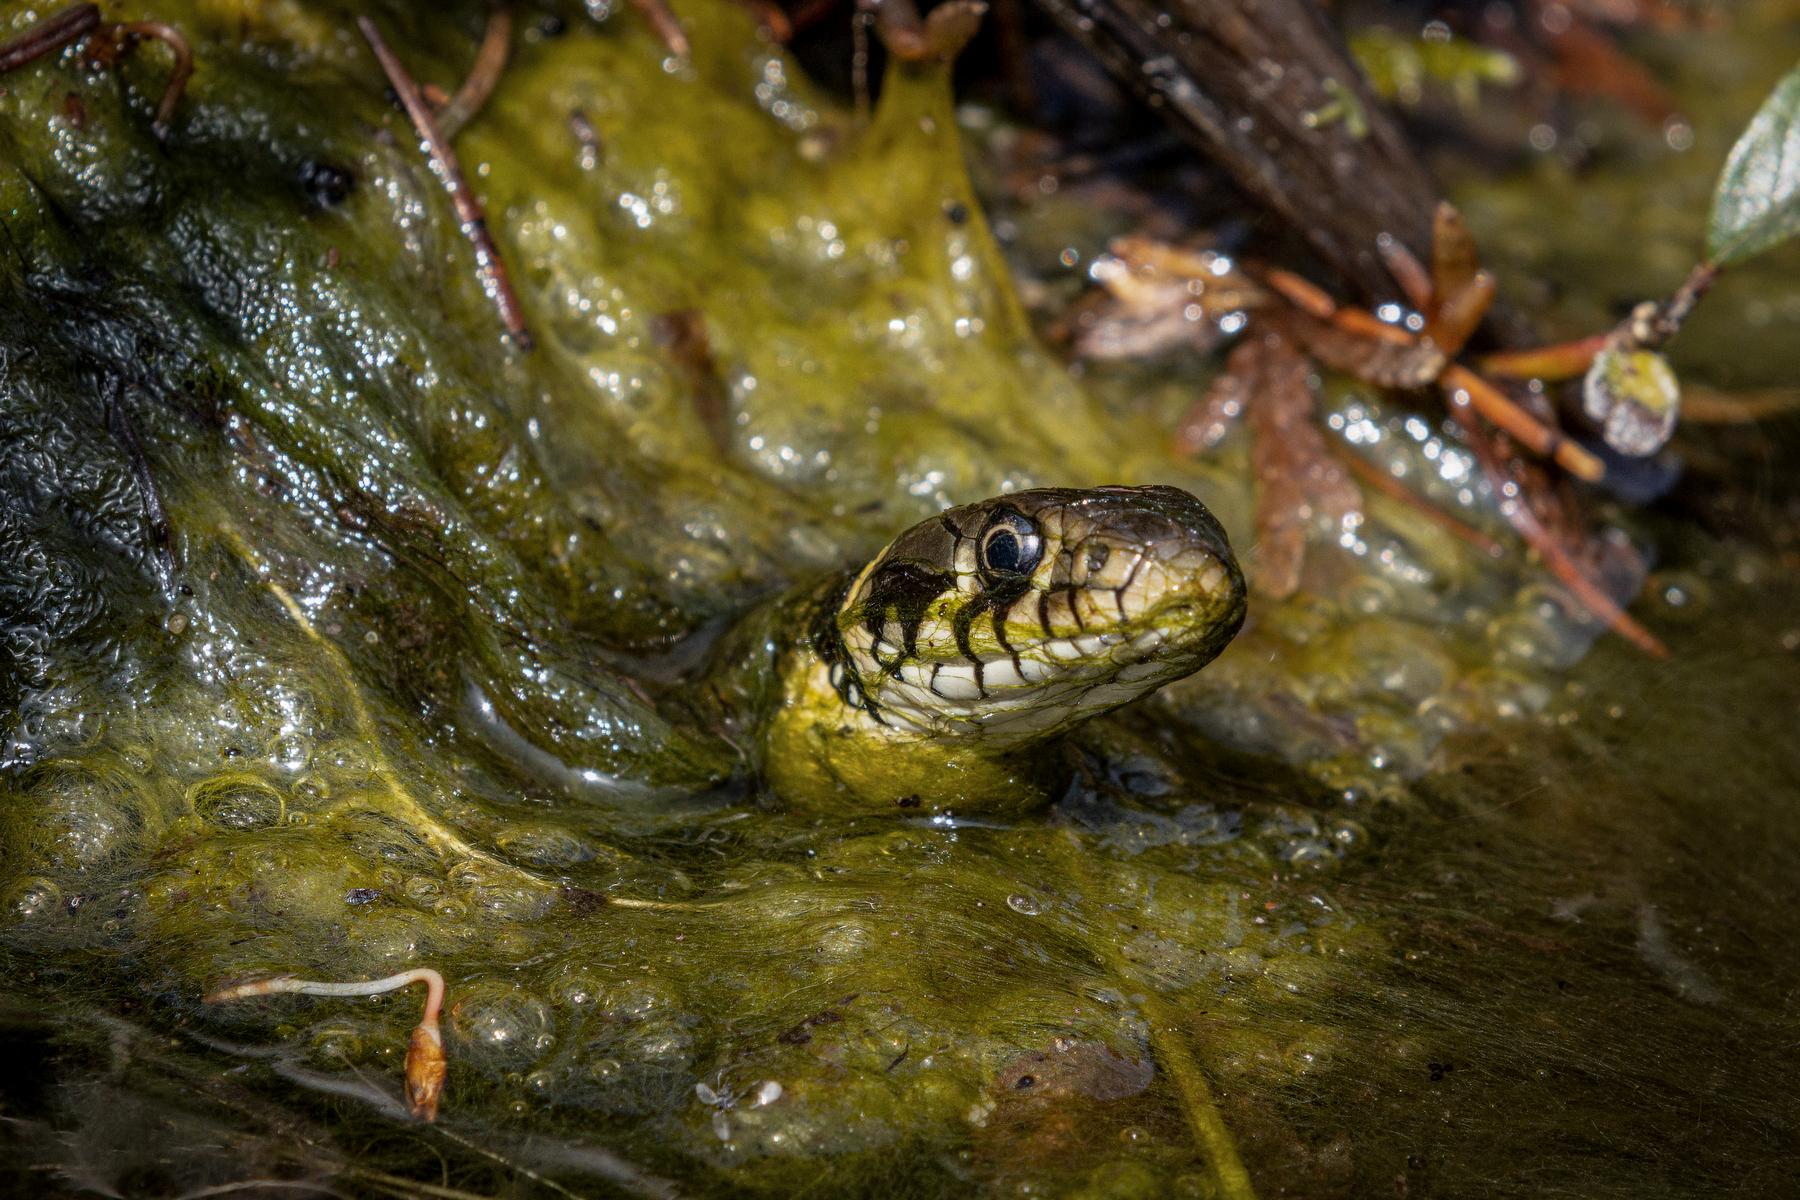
(931, 674)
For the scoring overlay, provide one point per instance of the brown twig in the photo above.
(52, 33)
(1518, 513)
(490, 61)
(1462, 385)
(169, 36)
(768, 14)
(1392, 488)
(1305, 295)
(1453, 378)
(1315, 302)
(426, 1064)
(1651, 324)
(107, 44)
(1566, 360)
(1407, 270)
(666, 27)
(1710, 406)
(1366, 324)
(494, 279)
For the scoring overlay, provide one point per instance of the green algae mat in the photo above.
(344, 637)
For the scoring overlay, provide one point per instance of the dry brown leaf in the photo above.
(1378, 361)
(1298, 479)
(1162, 298)
(1212, 416)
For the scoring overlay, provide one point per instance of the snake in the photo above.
(933, 675)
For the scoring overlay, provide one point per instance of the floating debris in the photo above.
(107, 45)
(426, 1063)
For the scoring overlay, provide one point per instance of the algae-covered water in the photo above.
(343, 637)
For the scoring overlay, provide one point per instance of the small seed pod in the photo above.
(1635, 398)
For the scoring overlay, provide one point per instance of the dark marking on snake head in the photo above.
(904, 589)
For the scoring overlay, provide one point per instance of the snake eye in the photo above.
(1010, 545)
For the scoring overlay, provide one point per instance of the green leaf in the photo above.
(1757, 204)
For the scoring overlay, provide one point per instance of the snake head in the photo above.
(1010, 620)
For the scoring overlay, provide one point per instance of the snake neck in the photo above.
(829, 746)
(978, 634)
(849, 675)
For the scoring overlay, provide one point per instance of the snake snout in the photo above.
(1155, 555)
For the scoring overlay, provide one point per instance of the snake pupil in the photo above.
(1011, 545)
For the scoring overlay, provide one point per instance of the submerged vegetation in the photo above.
(384, 480)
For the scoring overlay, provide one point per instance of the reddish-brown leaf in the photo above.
(1298, 480)
(1380, 361)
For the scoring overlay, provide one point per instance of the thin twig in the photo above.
(1566, 360)
(1388, 486)
(425, 1061)
(769, 15)
(1461, 384)
(1305, 295)
(1407, 271)
(1367, 324)
(409, 809)
(1647, 328)
(511, 1165)
(1488, 399)
(171, 37)
(1651, 324)
(494, 279)
(666, 27)
(1710, 406)
(118, 421)
(1561, 564)
(52, 33)
(683, 334)
(489, 63)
